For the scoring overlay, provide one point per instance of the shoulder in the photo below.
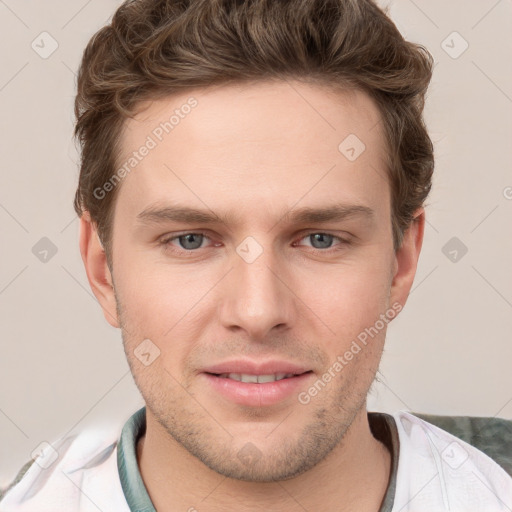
(17, 478)
(65, 471)
(493, 436)
(439, 470)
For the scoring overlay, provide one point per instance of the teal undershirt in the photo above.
(133, 487)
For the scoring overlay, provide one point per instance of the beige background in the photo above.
(62, 366)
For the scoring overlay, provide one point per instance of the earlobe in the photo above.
(96, 268)
(406, 259)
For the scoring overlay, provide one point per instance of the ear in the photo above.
(96, 268)
(406, 259)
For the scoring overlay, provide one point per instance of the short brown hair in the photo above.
(154, 48)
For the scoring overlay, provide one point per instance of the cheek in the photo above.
(163, 304)
(156, 296)
(348, 303)
(348, 294)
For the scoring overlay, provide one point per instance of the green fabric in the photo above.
(493, 436)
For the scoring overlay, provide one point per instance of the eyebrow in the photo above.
(155, 214)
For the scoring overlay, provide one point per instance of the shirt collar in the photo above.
(382, 425)
(134, 489)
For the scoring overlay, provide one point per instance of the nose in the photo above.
(257, 296)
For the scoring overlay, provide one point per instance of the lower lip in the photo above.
(254, 394)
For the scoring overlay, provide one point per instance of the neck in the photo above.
(354, 476)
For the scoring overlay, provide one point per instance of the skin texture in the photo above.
(254, 153)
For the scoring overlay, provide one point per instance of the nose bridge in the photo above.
(257, 299)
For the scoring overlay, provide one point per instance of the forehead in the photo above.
(259, 147)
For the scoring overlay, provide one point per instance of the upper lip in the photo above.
(249, 367)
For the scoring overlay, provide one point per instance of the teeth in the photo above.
(269, 378)
(259, 379)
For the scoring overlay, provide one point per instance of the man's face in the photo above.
(258, 292)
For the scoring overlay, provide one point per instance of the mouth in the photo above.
(257, 379)
(257, 389)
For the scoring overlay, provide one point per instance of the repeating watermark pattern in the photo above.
(454, 455)
(305, 397)
(146, 352)
(351, 147)
(249, 454)
(44, 45)
(44, 250)
(454, 45)
(249, 250)
(44, 455)
(454, 249)
(151, 142)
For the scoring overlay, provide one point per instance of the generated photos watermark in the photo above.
(151, 142)
(342, 360)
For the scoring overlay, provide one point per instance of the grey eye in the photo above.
(323, 239)
(191, 241)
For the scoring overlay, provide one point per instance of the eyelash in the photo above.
(165, 242)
